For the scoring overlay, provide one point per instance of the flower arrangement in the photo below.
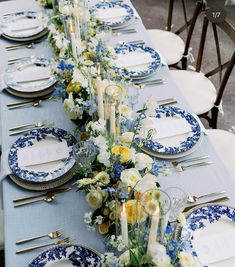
(46, 3)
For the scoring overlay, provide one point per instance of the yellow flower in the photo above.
(112, 216)
(89, 55)
(104, 228)
(73, 87)
(88, 62)
(134, 211)
(123, 151)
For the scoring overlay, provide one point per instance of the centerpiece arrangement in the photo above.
(120, 181)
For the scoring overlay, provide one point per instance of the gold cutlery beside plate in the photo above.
(48, 199)
(194, 199)
(59, 242)
(182, 168)
(51, 235)
(221, 199)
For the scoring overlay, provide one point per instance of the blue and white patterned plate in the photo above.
(203, 222)
(142, 70)
(109, 7)
(33, 68)
(67, 255)
(46, 172)
(174, 145)
(23, 24)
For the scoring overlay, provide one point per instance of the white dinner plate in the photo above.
(211, 230)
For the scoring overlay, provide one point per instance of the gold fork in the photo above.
(176, 163)
(184, 168)
(59, 242)
(52, 235)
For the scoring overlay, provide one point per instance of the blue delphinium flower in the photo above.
(59, 91)
(117, 170)
(63, 66)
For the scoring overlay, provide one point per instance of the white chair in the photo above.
(170, 45)
(1, 230)
(224, 144)
(196, 86)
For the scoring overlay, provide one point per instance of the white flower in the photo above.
(52, 28)
(159, 256)
(125, 111)
(125, 258)
(148, 182)
(65, 10)
(104, 157)
(97, 126)
(102, 177)
(94, 198)
(187, 260)
(126, 138)
(181, 219)
(109, 259)
(143, 161)
(79, 77)
(99, 219)
(130, 177)
(99, 141)
(87, 217)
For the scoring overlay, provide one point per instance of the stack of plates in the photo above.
(23, 26)
(210, 229)
(170, 133)
(29, 78)
(42, 175)
(67, 255)
(136, 61)
(116, 15)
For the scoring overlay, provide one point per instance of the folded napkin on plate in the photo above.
(133, 59)
(34, 155)
(32, 73)
(24, 24)
(216, 246)
(165, 128)
(111, 13)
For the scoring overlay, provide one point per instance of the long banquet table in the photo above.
(68, 209)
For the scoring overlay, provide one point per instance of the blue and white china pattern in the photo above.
(199, 217)
(151, 68)
(26, 15)
(78, 255)
(37, 135)
(185, 145)
(121, 20)
(39, 62)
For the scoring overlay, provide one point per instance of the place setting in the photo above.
(41, 159)
(23, 26)
(29, 78)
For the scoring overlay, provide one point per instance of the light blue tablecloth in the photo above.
(68, 209)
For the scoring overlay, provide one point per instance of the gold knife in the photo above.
(207, 202)
(56, 191)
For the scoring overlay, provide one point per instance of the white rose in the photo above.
(104, 158)
(143, 161)
(159, 256)
(95, 198)
(130, 177)
(126, 138)
(99, 141)
(102, 177)
(148, 182)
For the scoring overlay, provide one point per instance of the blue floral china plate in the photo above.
(210, 232)
(174, 142)
(67, 255)
(112, 14)
(41, 139)
(22, 25)
(30, 75)
(136, 61)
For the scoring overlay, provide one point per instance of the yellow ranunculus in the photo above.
(73, 87)
(104, 228)
(123, 151)
(134, 211)
(89, 55)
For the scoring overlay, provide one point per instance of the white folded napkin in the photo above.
(31, 73)
(111, 13)
(24, 25)
(135, 58)
(34, 155)
(216, 246)
(164, 128)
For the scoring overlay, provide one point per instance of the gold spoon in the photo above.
(47, 199)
